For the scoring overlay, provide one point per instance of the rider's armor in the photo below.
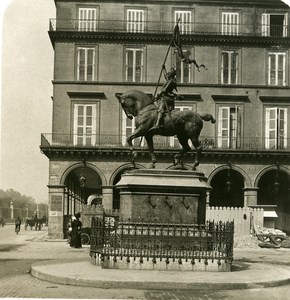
(166, 98)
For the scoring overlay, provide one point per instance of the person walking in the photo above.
(17, 224)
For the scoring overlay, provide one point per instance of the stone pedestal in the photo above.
(150, 195)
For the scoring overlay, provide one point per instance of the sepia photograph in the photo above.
(144, 149)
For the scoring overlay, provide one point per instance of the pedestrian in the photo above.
(76, 226)
(2, 221)
(17, 224)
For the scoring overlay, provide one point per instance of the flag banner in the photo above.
(176, 41)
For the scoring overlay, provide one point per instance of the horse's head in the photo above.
(133, 101)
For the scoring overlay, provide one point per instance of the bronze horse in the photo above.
(184, 124)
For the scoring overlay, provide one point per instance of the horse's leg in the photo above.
(133, 136)
(149, 140)
(198, 149)
(178, 158)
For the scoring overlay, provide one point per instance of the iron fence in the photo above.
(160, 142)
(157, 27)
(111, 238)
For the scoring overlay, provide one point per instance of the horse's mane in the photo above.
(146, 99)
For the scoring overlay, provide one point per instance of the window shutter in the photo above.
(265, 24)
(90, 64)
(285, 25)
(223, 127)
(135, 20)
(185, 23)
(271, 128)
(283, 127)
(94, 124)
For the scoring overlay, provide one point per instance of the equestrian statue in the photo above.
(162, 119)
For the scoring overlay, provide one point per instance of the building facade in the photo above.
(107, 47)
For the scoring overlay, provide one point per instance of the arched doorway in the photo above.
(227, 189)
(80, 183)
(274, 190)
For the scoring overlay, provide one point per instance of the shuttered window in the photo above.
(85, 64)
(230, 23)
(229, 127)
(135, 20)
(185, 21)
(87, 19)
(229, 67)
(275, 25)
(276, 128)
(277, 69)
(134, 65)
(85, 124)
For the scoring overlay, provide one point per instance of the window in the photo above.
(85, 64)
(173, 141)
(128, 127)
(84, 127)
(276, 128)
(87, 19)
(135, 20)
(275, 25)
(230, 23)
(276, 68)
(229, 67)
(134, 65)
(183, 71)
(229, 127)
(185, 20)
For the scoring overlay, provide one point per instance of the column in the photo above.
(11, 211)
(107, 197)
(250, 196)
(55, 209)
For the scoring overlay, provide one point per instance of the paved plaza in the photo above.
(32, 266)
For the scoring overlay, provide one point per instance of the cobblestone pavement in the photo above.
(19, 252)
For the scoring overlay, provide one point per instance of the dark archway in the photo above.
(274, 190)
(231, 195)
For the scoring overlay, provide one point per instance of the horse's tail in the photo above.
(207, 118)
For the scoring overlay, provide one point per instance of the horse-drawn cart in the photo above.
(34, 223)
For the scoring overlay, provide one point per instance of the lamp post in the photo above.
(229, 182)
(11, 210)
(26, 208)
(276, 183)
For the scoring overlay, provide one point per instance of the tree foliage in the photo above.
(19, 201)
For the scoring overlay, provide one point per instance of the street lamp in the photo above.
(276, 183)
(229, 182)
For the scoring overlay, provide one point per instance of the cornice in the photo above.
(240, 3)
(153, 38)
(124, 154)
(185, 85)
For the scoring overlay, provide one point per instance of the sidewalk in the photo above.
(252, 268)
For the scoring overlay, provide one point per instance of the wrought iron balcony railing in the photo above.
(167, 27)
(51, 140)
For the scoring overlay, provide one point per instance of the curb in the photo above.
(104, 278)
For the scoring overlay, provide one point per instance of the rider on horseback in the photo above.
(166, 97)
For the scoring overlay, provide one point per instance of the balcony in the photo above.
(113, 26)
(94, 142)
